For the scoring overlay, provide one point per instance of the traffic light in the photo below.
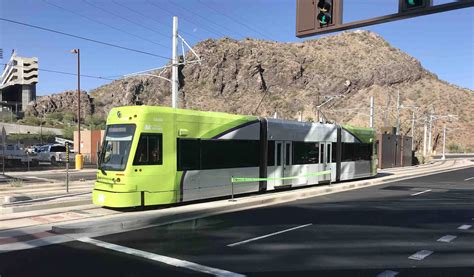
(408, 5)
(325, 14)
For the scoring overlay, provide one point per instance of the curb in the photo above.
(169, 216)
(9, 210)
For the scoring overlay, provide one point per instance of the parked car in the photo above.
(53, 153)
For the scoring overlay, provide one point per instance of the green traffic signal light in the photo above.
(414, 3)
(325, 11)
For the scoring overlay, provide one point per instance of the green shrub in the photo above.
(454, 148)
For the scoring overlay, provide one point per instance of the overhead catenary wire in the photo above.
(205, 19)
(235, 20)
(126, 19)
(66, 73)
(83, 38)
(215, 32)
(104, 24)
(151, 18)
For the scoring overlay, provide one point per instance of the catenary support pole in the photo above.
(424, 140)
(429, 134)
(444, 142)
(398, 113)
(371, 125)
(174, 73)
(413, 131)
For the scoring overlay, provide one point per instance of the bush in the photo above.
(454, 148)
(95, 122)
(69, 117)
(31, 120)
(68, 132)
(55, 116)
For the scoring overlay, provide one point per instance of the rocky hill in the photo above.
(263, 78)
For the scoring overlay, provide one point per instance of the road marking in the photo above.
(420, 255)
(472, 178)
(465, 227)
(269, 235)
(421, 192)
(162, 259)
(447, 238)
(388, 273)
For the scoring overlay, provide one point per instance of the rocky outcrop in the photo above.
(61, 102)
(264, 77)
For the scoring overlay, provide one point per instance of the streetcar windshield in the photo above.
(116, 148)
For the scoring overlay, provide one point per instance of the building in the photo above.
(91, 141)
(18, 83)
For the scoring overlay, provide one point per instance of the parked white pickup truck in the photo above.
(53, 153)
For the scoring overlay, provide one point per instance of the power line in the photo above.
(105, 24)
(190, 21)
(83, 38)
(235, 20)
(65, 73)
(126, 19)
(205, 19)
(151, 18)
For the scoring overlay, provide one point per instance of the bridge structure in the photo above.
(18, 83)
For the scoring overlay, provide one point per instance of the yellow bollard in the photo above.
(79, 161)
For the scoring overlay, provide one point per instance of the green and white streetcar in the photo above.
(158, 155)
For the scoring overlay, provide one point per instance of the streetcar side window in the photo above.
(149, 150)
(217, 154)
(305, 152)
(189, 154)
(356, 152)
(271, 153)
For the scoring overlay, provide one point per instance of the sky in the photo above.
(443, 42)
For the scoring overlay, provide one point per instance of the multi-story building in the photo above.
(18, 83)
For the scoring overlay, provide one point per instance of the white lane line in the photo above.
(465, 227)
(388, 273)
(421, 192)
(162, 259)
(472, 178)
(269, 235)
(420, 255)
(447, 238)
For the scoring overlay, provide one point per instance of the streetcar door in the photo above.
(325, 150)
(287, 163)
(279, 158)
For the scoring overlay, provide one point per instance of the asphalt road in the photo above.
(56, 175)
(388, 230)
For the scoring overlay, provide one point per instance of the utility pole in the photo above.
(398, 113)
(444, 142)
(371, 125)
(174, 73)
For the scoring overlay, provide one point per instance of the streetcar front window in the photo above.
(116, 148)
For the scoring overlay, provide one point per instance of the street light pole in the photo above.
(78, 155)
